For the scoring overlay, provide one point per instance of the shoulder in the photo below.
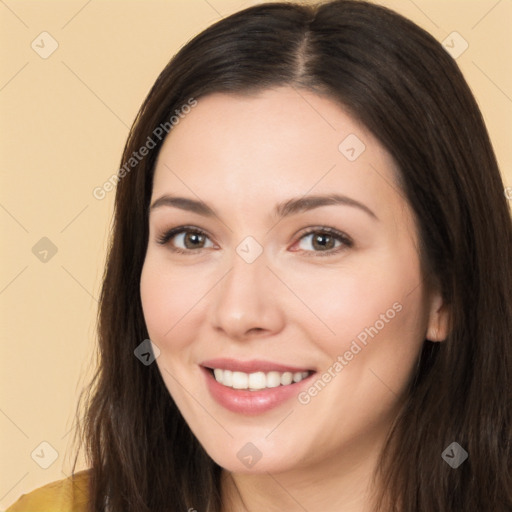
(68, 495)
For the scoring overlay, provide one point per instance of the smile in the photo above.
(258, 380)
(253, 387)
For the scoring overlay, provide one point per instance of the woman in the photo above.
(311, 229)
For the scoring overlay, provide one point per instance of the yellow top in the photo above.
(65, 495)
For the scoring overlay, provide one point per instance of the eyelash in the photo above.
(344, 239)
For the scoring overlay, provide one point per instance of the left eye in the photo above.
(323, 240)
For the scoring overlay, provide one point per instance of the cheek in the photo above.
(375, 299)
(166, 299)
(377, 322)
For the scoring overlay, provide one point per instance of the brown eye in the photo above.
(193, 240)
(324, 240)
(185, 240)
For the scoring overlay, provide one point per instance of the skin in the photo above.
(295, 304)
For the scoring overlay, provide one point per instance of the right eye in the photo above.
(185, 240)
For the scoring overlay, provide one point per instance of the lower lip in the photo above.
(252, 402)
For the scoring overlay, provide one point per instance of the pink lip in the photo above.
(251, 402)
(252, 366)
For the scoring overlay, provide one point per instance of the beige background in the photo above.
(64, 120)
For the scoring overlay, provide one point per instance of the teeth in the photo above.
(240, 380)
(297, 377)
(257, 380)
(287, 378)
(227, 377)
(273, 379)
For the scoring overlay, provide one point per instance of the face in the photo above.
(282, 281)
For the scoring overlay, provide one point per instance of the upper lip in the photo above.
(251, 366)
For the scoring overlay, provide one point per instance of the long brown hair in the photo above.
(404, 87)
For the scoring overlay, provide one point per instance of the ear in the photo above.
(438, 318)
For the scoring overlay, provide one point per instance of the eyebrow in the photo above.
(281, 210)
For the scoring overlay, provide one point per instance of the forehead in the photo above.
(245, 149)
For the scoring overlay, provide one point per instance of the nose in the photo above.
(245, 304)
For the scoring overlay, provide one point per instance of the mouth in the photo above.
(258, 380)
(253, 387)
